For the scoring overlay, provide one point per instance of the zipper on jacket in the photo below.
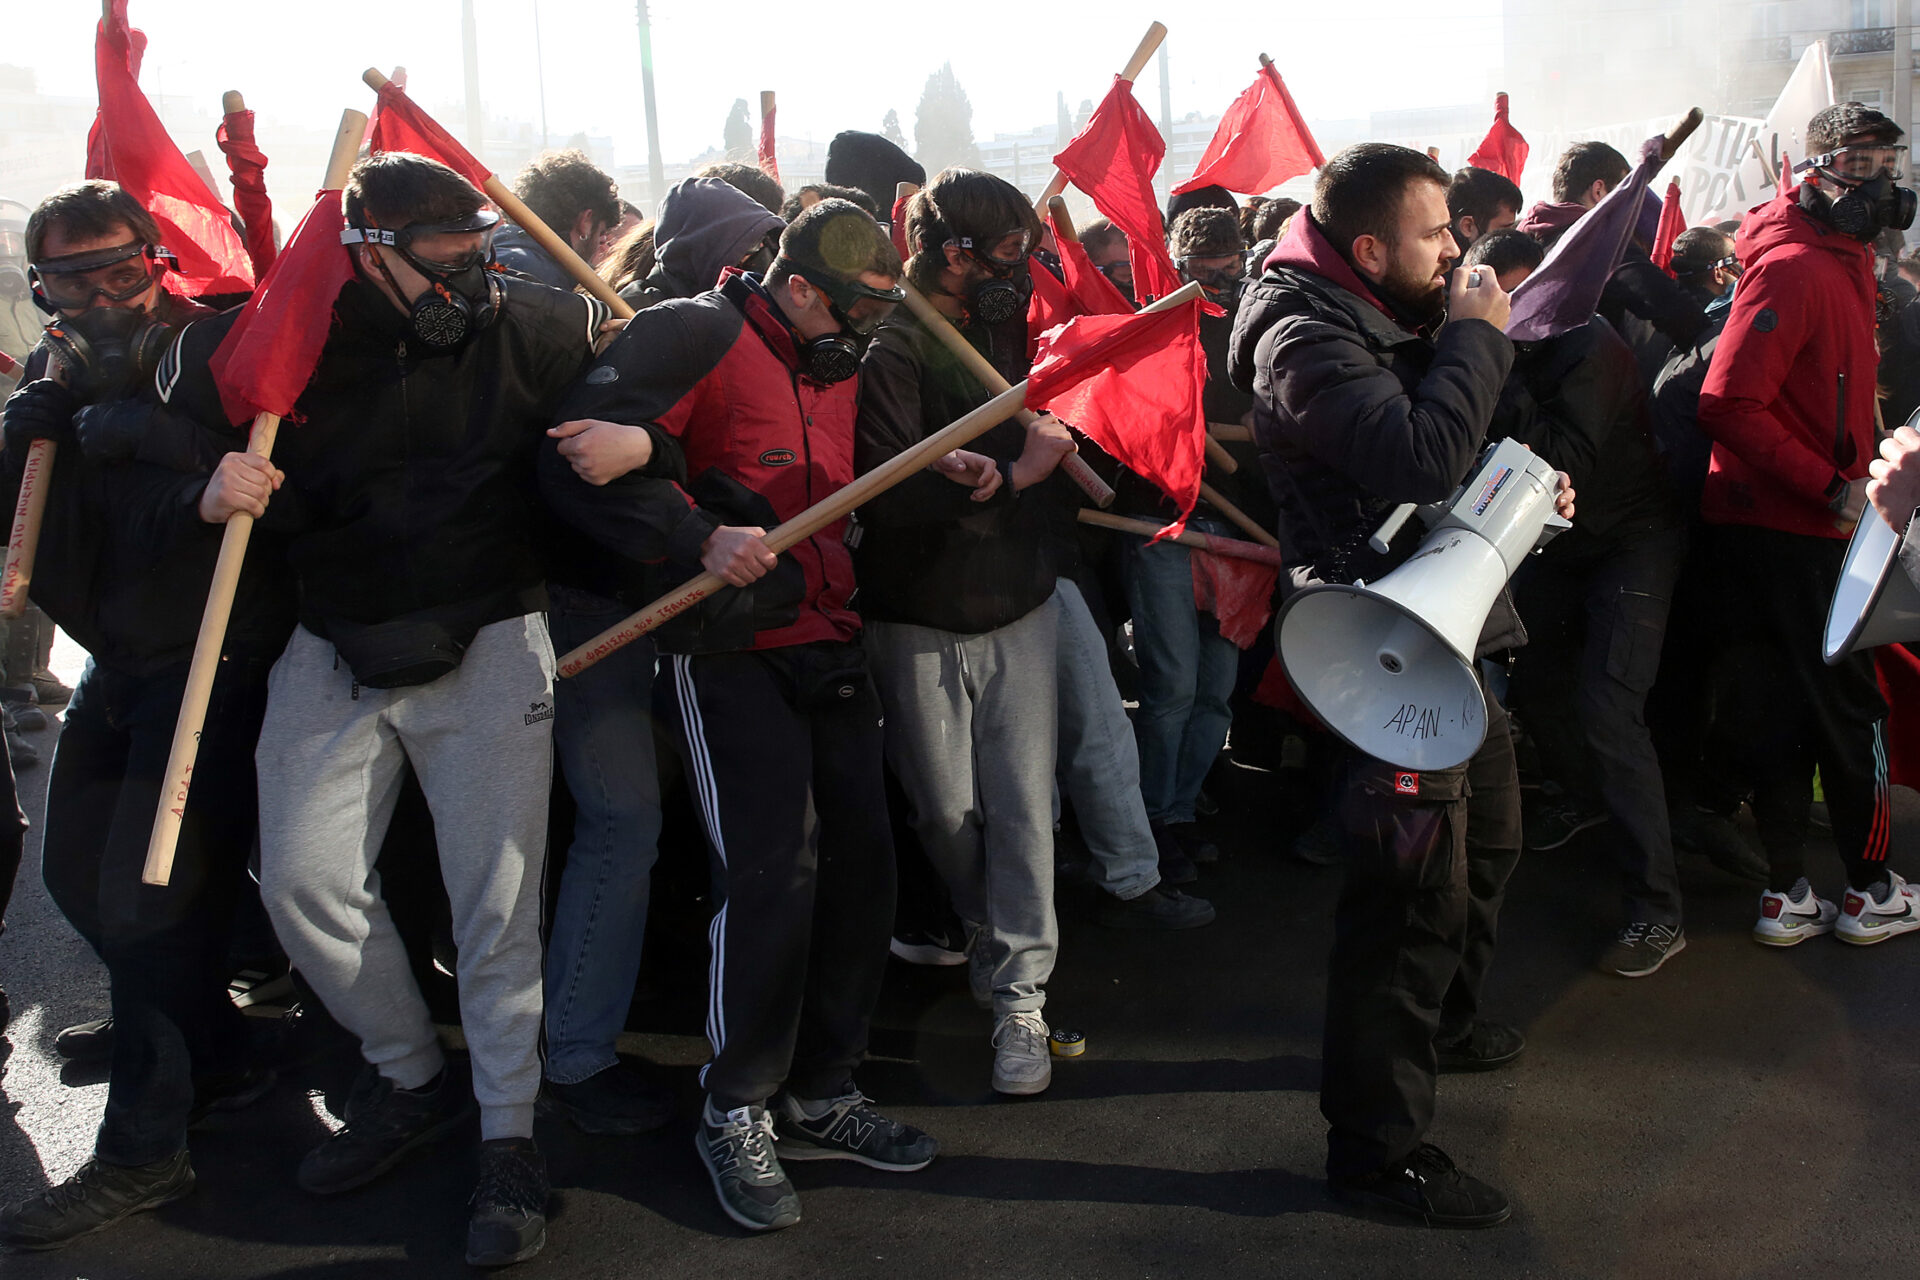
(1840, 421)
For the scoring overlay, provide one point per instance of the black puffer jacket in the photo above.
(410, 477)
(1355, 412)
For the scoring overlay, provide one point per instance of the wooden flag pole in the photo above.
(1230, 432)
(1247, 523)
(1149, 45)
(953, 436)
(1218, 455)
(1187, 538)
(28, 511)
(939, 326)
(207, 646)
(529, 222)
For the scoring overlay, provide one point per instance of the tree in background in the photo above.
(890, 129)
(737, 139)
(943, 125)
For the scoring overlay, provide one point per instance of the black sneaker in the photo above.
(384, 1126)
(928, 946)
(1157, 908)
(1641, 948)
(86, 1041)
(1193, 842)
(509, 1220)
(1430, 1187)
(1486, 1046)
(1552, 825)
(1698, 830)
(99, 1195)
(738, 1150)
(1175, 866)
(618, 1099)
(229, 1092)
(851, 1130)
(1320, 845)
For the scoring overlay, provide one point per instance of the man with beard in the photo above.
(126, 554)
(1362, 401)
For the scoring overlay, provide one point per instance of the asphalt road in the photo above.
(1746, 1112)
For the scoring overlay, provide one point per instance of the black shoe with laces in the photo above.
(1193, 842)
(1485, 1046)
(230, 1091)
(1429, 1186)
(1175, 866)
(738, 1150)
(384, 1126)
(1553, 825)
(1641, 948)
(619, 1099)
(1158, 908)
(509, 1222)
(97, 1196)
(850, 1130)
(86, 1041)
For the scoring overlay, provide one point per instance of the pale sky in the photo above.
(302, 62)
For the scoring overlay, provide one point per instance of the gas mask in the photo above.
(859, 309)
(1003, 294)
(107, 351)
(461, 298)
(1865, 209)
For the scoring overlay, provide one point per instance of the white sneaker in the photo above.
(1865, 919)
(1022, 1061)
(1787, 919)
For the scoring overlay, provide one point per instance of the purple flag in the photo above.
(1562, 294)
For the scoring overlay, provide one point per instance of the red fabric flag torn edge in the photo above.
(399, 124)
(1113, 160)
(248, 165)
(1503, 150)
(1261, 141)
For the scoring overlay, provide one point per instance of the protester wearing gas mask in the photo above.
(1789, 404)
(745, 395)
(959, 596)
(127, 549)
(423, 639)
(705, 226)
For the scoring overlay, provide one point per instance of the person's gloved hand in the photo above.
(40, 410)
(111, 432)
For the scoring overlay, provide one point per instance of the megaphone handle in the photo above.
(1390, 528)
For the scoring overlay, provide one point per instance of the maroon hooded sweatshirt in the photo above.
(1787, 431)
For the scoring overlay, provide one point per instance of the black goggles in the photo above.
(118, 273)
(402, 240)
(860, 307)
(1000, 267)
(1212, 277)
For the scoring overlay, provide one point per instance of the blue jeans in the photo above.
(603, 730)
(1187, 671)
(1098, 764)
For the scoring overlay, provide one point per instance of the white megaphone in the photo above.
(1389, 666)
(1876, 602)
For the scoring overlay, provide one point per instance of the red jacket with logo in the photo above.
(1788, 400)
(743, 437)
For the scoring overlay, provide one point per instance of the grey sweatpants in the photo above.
(330, 760)
(971, 725)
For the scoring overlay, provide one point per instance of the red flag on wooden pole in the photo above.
(1672, 223)
(248, 165)
(769, 157)
(1503, 150)
(400, 125)
(1113, 160)
(1261, 141)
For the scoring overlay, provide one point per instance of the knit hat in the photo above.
(871, 163)
(1206, 233)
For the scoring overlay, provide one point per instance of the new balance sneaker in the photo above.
(1428, 1186)
(1486, 1045)
(99, 1195)
(1022, 1062)
(1873, 915)
(384, 1126)
(846, 1128)
(738, 1150)
(1553, 825)
(927, 946)
(509, 1219)
(1641, 948)
(1788, 919)
(1157, 908)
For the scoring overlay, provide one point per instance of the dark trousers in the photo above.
(1596, 617)
(13, 835)
(783, 749)
(165, 947)
(1414, 935)
(1791, 712)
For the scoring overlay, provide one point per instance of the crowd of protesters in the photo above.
(880, 728)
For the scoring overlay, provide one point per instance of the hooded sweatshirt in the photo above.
(1788, 399)
(705, 226)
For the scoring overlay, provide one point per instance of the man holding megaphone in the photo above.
(1374, 382)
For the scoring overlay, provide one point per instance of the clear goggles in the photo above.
(119, 273)
(406, 240)
(1863, 162)
(860, 307)
(1002, 254)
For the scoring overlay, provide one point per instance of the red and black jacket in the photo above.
(743, 437)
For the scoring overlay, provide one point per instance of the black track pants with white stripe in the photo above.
(783, 753)
(1790, 712)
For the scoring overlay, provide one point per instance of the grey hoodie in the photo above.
(704, 227)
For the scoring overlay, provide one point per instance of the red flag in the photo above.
(1260, 143)
(1113, 160)
(1133, 384)
(1785, 183)
(1092, 293)
(400, 125)
(266, 359)
(1672, 223)
(897, 228)
(1050, 307)
(769, 156)
(130, 146)
(248, 165)
(1503, 150)
(1239, 593)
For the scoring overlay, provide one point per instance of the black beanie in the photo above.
(871, 163)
